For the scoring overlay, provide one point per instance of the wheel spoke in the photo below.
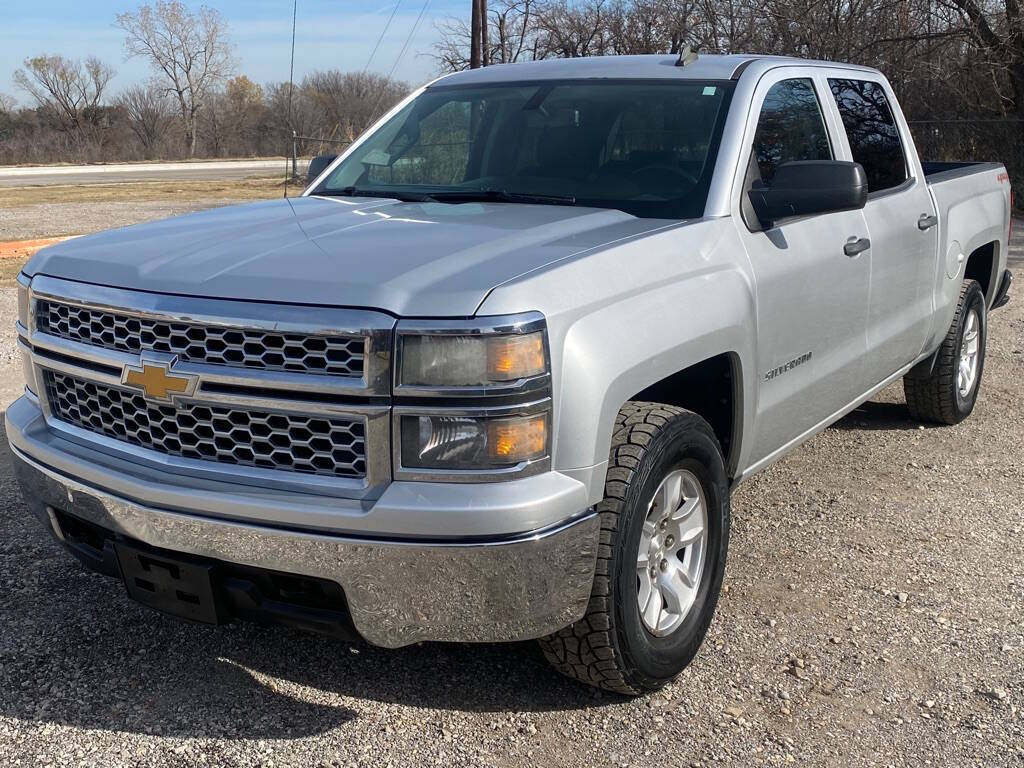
(652, 608)
(690, 530)
(686, 509)
(677, 591)
(670, 493)
(646, 587)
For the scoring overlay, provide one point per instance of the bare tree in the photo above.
(511, 34)
(150, 114)
(349, 102)
(72, 90)
(997, 28)
(189, 52)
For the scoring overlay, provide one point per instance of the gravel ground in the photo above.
(874, 615)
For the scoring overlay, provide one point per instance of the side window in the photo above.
(871, 129)
(790, 127)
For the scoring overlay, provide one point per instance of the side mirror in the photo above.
(318, 165)
(805, 187)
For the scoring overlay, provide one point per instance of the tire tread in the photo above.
(586, 650)
(930, 391)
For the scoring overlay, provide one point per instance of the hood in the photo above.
(410, 259)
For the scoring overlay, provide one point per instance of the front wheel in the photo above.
(661, 560)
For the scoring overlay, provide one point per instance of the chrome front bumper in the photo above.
(505, 588)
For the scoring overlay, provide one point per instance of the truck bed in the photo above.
(941, 171)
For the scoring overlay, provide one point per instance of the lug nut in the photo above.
(669, 540)
(663, 565)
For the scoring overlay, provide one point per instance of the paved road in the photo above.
(11, 176)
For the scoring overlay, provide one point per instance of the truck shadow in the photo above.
(75, 650)
(874, 415)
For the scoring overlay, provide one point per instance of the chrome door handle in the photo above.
(927, 221)
(856, 246)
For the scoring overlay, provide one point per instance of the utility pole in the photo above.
(476, 36)
(485, 35)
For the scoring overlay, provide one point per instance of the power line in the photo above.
(291, 89)
(408, 40)
(401, 53)
(383, 32)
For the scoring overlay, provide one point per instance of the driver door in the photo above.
(812, 298)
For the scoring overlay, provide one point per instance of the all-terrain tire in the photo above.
(931, 387)
(610, 647)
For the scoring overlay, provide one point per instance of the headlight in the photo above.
(474, 399)
(471, 361)
(469, 443)
(23, 344)
(23, 283)
(489, 354)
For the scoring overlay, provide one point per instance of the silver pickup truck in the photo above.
(493, 376)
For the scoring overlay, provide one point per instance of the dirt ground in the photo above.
(35, 212)
(874, 616)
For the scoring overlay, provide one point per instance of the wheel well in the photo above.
(981, 266)
(708, 388)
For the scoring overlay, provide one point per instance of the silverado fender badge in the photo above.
(153, 377)
(788, 366)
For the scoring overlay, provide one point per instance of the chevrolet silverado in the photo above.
(493, 376)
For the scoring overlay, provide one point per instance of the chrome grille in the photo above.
(195, 343)
(330, 446)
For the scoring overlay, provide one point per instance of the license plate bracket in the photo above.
(168, 584)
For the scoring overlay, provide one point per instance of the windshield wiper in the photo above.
(502, 196)
(405, 197)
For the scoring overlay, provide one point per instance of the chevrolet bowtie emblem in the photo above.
(155, 380)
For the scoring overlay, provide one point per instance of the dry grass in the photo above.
(9, 268)
(169, 191)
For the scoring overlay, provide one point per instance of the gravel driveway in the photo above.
(874, 615)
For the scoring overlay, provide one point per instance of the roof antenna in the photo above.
(686, 56)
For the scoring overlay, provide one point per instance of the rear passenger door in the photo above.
(901, 223)
(811, 297)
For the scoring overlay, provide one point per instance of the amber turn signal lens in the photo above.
(520, 439)
(515, 357)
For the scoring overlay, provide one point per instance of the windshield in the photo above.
(644, 147)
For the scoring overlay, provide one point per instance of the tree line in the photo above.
(957, 67)
(195, 104)
(947, 58)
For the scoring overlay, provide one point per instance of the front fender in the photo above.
(624, 318)
(606, 361)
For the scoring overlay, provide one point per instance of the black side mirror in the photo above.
(806, 187)
(317, 166)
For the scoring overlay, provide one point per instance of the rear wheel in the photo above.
(664, 538)
(944, 390)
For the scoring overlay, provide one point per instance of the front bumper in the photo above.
(504, 588)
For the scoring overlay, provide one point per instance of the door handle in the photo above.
(856, 246)
(927, 221)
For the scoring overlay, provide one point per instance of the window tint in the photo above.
(871, 129)
(790, 127)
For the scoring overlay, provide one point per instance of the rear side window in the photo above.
(871, 129)
(790, 127)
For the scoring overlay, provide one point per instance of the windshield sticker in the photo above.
(710, 90)
(377, 157)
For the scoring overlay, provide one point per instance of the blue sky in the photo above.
(330, 33)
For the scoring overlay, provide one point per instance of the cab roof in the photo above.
(646, 67)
